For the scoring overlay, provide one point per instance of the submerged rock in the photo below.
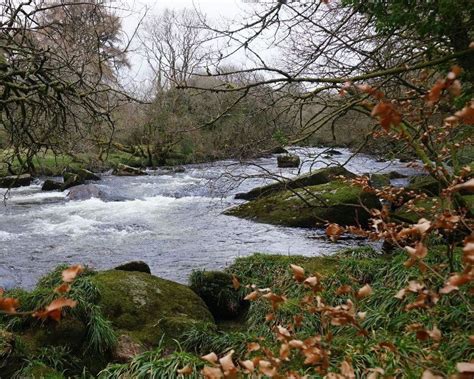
(71, 180)
(285, 161)
(124, 170)
(51, 185)
(146, 307)
(84, 192)
(279, 150)
(321, 176)
(334, 202)
(138, 266)
(15, 181)
(333, 152)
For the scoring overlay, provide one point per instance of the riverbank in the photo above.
(50, 350)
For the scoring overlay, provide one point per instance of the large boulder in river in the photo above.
(71, 180)
(15, 181)
(51, 185)
(124, 170)
(334, 202)
(84, 192)
(288, 160)
(321, 176)
(146, 307)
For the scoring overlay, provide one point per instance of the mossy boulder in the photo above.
(124, 170)
(288, 160)
(426, 208)
(217, 291)
(147, 307)
(321, 176)
(307, 207)
(15, 181)
(425, 184)
(380, 180)
(51, 185)
(71, 180)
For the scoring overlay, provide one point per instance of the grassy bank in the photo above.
(391, 342)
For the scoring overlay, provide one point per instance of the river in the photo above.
(172, 221)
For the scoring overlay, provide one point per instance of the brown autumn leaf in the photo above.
(63, 288)
(312, 282)
(427, 374)
(8, 304)
(343, 290)
(387, 114)
(365, 291)
(466, 115)
(186, 370)
(347, 370)
(252, 296)
(248, 366)
(275, 299)
(298, 273)
(465, 367)
(334, 231)
(466, 186)
(54, 309)
(435, 92)
(267, 368)
(212, 372)
(284, 352)
(211, 358)
(227, 365)
(70, 273)
(253, 346)
(235, 282)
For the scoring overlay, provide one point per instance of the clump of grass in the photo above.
(155, 364)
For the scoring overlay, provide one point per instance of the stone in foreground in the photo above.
(146, 307)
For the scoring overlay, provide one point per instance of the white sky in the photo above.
(217, 11)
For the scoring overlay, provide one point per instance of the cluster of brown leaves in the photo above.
(54, 309)
(315, 351)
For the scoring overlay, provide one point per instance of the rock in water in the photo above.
(84, 192)
(334, 202)
(51, 185)
(138, 266)
(321, 176)
(71, 180)
(285, 161)
(124, 170)
(15, 181)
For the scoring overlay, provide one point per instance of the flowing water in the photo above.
(172, 221)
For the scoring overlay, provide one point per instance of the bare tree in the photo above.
(57, 73)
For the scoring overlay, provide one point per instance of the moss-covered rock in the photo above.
(147, 307)
(425, 184)
(124, 170)
(15, 181)
(217, 291)
(288, 160)
(321, 176)
(380, 180)
(426, 208)
(309, 206)
(51, 185)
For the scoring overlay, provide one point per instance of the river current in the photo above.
(172, 221)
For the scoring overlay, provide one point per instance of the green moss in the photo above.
(148, 307)
(307, 207)
(426, 208)
(426, 184)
